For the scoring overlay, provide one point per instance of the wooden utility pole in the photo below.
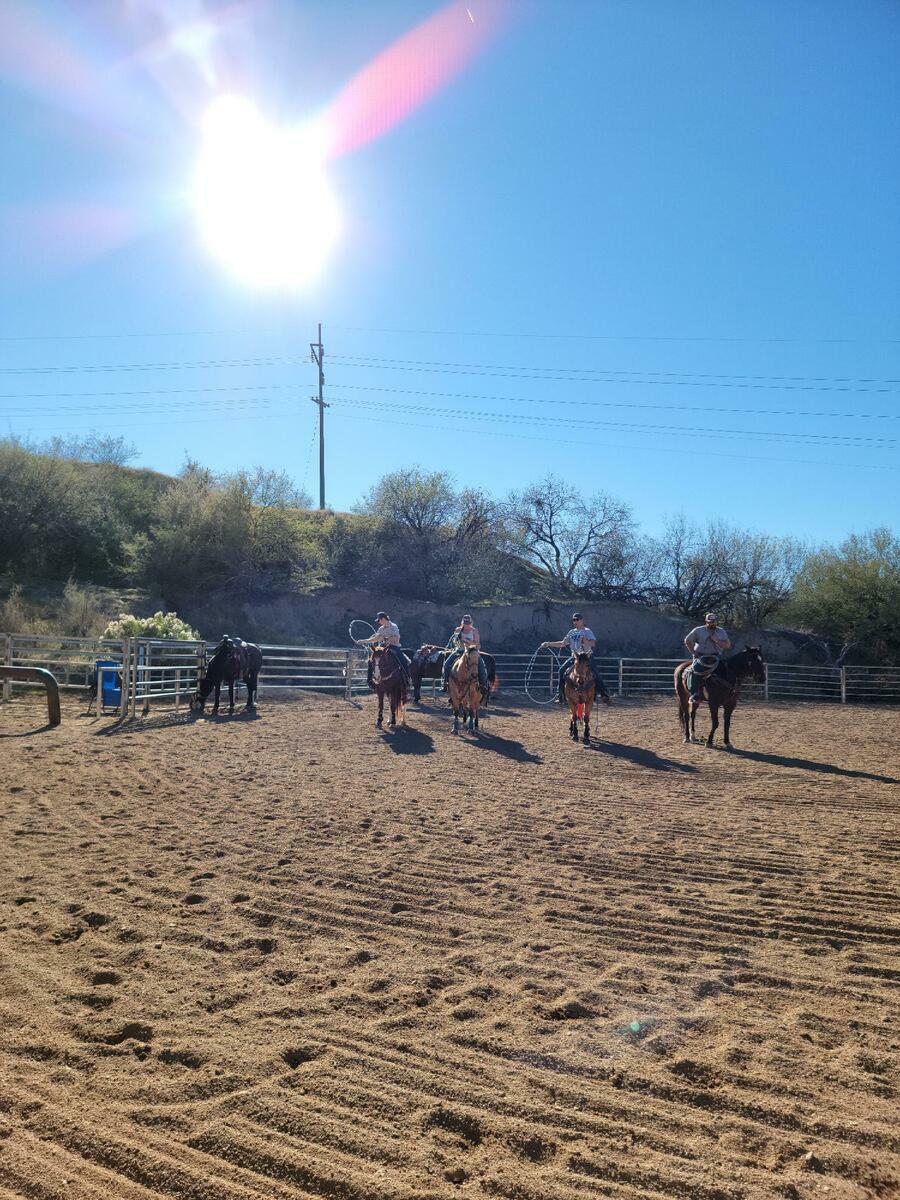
(317, 353)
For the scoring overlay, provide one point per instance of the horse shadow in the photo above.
(642, 758)
(806, 764)
(406, 740)
(506, 747)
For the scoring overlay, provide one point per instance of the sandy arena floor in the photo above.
(292, 957)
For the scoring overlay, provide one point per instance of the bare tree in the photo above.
(552, 525)
(697, 567)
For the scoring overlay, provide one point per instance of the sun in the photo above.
(263, 203)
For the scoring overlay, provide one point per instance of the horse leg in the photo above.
(726, 736)
(455, 719)
(393, 704)
(216, 702)
(380, 721)
(587, 725)
(694, 707)
(231, 697)
(714, 713)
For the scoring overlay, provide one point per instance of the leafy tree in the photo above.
(850, 595)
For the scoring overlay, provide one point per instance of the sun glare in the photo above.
(263, 203)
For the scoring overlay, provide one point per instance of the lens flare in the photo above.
(263, 203)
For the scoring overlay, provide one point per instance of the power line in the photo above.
(555, 374)
(481, 415)
(272, 387)
(243, 403)
(648, 449)
(775, 412)
(585, 374)
(460, 333)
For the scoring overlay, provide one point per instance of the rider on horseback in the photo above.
(388, 634)
(463, 636)
(705, 644)
(579, 640)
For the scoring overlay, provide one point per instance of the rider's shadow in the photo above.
(505, 746)
(642, 758)
(406, 740)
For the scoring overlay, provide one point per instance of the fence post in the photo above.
(8, 659)
(621, 677)
(843, 685)
(126, 677)
(348, 676)
(766, 683)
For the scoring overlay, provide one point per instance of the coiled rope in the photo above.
(554, 666)
(362, 630)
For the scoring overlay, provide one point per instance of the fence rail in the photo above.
(154, 670)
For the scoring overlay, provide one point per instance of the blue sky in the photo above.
(649, 246)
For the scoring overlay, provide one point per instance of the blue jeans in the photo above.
(598, 678)
(702, 666)
(482, 668)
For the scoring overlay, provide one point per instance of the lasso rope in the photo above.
(529, 670)
(360, 635)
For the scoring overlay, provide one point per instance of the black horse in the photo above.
(721, 689)
(232, 659)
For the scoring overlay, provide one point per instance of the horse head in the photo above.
(755, 663)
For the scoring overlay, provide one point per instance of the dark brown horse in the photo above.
(232, 659)
(721, 689)
(387, 679)
(427, 663)
(580, 689)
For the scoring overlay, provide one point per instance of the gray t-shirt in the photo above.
(701, 639)
(575, 639)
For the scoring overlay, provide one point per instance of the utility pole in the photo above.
(317, 353)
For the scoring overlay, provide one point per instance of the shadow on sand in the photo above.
(172, 721)
(406, 740)
(642, 758)
(806, 764)
(29, 732)
(506, 747)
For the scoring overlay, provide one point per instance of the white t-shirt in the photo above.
(389, 634)
(701, 639)
(575, 640)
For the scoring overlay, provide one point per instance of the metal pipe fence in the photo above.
(155, 670)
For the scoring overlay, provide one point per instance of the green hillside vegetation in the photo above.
(133, 539)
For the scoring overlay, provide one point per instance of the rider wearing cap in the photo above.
(579, 640)
(463, 636)
(705, 644)
(388, 634)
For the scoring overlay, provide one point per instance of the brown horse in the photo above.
(721, 689)
(465, 689)
(428, 663)
(386, 679)
(580, 689)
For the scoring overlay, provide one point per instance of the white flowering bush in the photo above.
(167, 625)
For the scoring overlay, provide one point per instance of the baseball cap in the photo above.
(710, 617)
(577, 617)
(378, 616)
(467, 619)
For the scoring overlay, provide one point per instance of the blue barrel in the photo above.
(112, 683)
